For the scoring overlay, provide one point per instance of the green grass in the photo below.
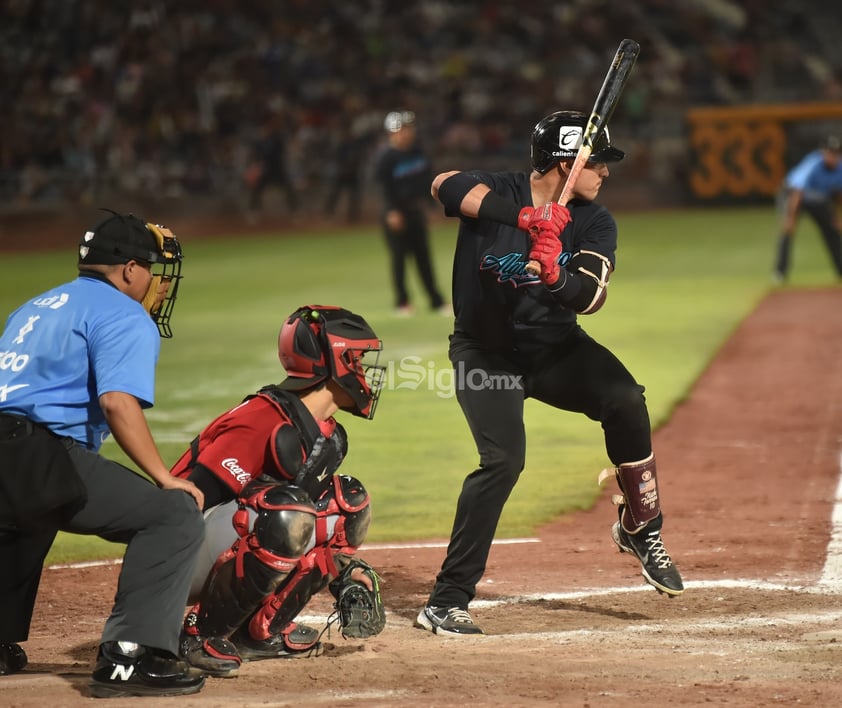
(684, 281)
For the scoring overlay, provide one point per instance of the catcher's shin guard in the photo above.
(278, 610)
(343, 515)
(639, 483)
(281, 519)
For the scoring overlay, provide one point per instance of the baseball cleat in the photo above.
(297, 641)
(452, 621)
(129, 669)
(657, 567)
(214, 656)
(12, 658)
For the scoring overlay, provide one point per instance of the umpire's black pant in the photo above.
(163, 530)
(580, 376)
(822, 212)
(414, 241)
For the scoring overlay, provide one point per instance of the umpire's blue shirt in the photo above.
(66, 347)
(814, 178)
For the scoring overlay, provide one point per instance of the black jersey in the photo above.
(497, 303)
(405, 176)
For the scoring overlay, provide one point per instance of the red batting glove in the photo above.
(525, 217)
(552, 216)
(546, 249)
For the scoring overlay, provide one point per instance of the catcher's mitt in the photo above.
(360, 611)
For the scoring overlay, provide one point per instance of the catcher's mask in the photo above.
(318, 343)
(121, 238)
(558, 136)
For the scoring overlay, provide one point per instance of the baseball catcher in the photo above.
(281, 523)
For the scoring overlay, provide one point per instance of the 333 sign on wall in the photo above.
(741, 151)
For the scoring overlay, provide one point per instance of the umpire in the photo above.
(813, 185)
(77, 363)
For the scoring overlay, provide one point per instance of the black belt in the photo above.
(14, 426)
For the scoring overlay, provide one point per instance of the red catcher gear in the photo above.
(321, 342)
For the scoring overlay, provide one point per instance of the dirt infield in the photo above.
(749, 471)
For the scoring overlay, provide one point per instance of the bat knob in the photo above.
(533, 268)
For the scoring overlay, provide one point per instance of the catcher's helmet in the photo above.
(558, 136)
(318, 343)
(121, 238)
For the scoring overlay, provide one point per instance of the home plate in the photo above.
(830, 635)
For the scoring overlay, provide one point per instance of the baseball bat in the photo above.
(603, 108)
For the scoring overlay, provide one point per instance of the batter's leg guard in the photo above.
(638, 482)
(640, 510)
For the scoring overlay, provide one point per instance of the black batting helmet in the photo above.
(321, 342)
(558, 136)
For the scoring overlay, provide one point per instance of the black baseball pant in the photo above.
(580, 376)
(412, 241)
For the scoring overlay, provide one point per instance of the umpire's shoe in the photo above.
(646, 543)
(296, 641)
(129, 669)
(453, 621)
(214, 656)
(12, 658)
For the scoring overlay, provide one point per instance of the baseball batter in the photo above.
(281, 523)
(517, 336)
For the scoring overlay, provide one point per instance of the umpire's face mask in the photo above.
(166, 274)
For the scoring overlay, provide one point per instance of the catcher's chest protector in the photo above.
(303, 452)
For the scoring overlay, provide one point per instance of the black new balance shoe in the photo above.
(452, 621)
(214, 656)
(296, 641)
(656, 565)
(129, 669)
(12, 658)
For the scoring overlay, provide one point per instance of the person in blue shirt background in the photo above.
(77, 363)
(813, 185)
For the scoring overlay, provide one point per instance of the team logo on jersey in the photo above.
(511, 268)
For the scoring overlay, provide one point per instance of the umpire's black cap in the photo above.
(119, 238)
(832, 143)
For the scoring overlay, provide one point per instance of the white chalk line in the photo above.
(832, 572)
(363, 548)
(830, 581)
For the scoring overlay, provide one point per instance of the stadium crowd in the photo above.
(192, 99)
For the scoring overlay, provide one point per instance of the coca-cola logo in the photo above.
(232, 464)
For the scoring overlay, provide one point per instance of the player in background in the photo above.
(404, 173)
(518, 334)
(281, 522)
(814, 185)
(79, 364)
